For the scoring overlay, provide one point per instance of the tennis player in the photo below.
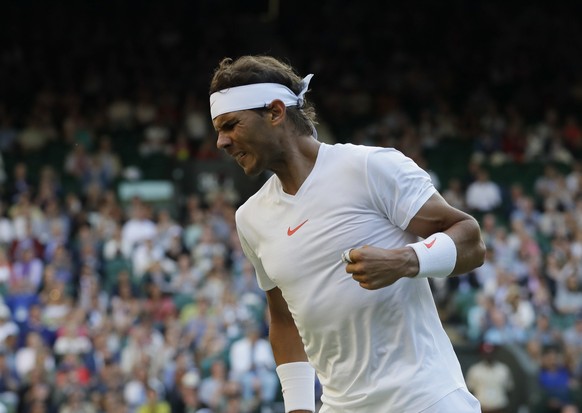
(343, 239)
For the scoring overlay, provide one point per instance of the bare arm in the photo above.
(285, 339)
(375, 268)
(436, 215)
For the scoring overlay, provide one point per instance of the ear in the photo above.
(277, 112)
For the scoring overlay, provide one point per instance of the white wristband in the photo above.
(298, 385)
(437, 256)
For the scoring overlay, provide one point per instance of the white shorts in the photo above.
(458, 401)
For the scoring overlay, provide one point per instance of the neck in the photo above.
(297, 163)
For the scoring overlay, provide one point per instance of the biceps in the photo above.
(436, 215)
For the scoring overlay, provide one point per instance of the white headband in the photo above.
(258, 95)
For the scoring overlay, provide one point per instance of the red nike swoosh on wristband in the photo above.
(292, 231)
(430, 244)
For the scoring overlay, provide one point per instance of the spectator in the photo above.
(34, 355)
(9, 383)
(253, 367)
(572, 133)
(568, 296)
(142, 389)
(76, 402)
(487, 274)
(145, 255)
(36, 394)
(5, 271)
(454, 194)
(483, 195)
(186, 394)
(27, 220)
(27, 273)
(501, 331)
(490, 381)
(21, 182)
(36, 134)
(154, 403)
(137, 229)
(552, 221)
(8, 133)
(186, 277)
(212, 388)
(7, 326)
(7, 232)
(526, 213)
(78, 162)
(519, 309)
(544, 333)
(574, 178)
(556, 381)
(34, 323)
(547, 184)
(167, 229)
(573, 342)
(109, 381)
(108, 161)
(71, 340)
(158, 304)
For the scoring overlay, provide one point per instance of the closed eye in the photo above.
(228, 126)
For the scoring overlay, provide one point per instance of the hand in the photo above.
(375, 268)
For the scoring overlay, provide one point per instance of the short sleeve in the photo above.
(265, 283)
(397, 185)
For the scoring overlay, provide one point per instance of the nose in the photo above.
(222, 141)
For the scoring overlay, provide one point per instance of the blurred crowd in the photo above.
(113, 305)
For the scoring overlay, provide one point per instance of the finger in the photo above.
(365, 286)
(346, 258)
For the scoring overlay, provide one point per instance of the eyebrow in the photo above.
(228, 123)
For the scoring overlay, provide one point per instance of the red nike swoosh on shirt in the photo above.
(294, 230)
(430, 244)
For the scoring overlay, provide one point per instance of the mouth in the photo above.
(238, 156)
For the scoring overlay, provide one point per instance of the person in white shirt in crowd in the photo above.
(491, 381)
(7, 326)
(144, 255)
(483, 195)
(7, 232)
(137, 229)
(252, 365)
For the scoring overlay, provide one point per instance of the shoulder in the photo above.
(262, 196)
(355, 151)
(365, 157)
(264, 191)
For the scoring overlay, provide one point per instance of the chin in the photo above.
(252, 172)
(251, 169)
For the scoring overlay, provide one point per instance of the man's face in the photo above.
(246, 136)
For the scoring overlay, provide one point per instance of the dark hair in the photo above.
(248, 70)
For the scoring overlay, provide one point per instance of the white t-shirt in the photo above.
(490, 384)
(483, 196)
(374, 351)
(135, 231)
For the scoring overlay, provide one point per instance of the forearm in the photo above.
(470, 247)
(287, 347)
(295, 373)
(286, 342)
